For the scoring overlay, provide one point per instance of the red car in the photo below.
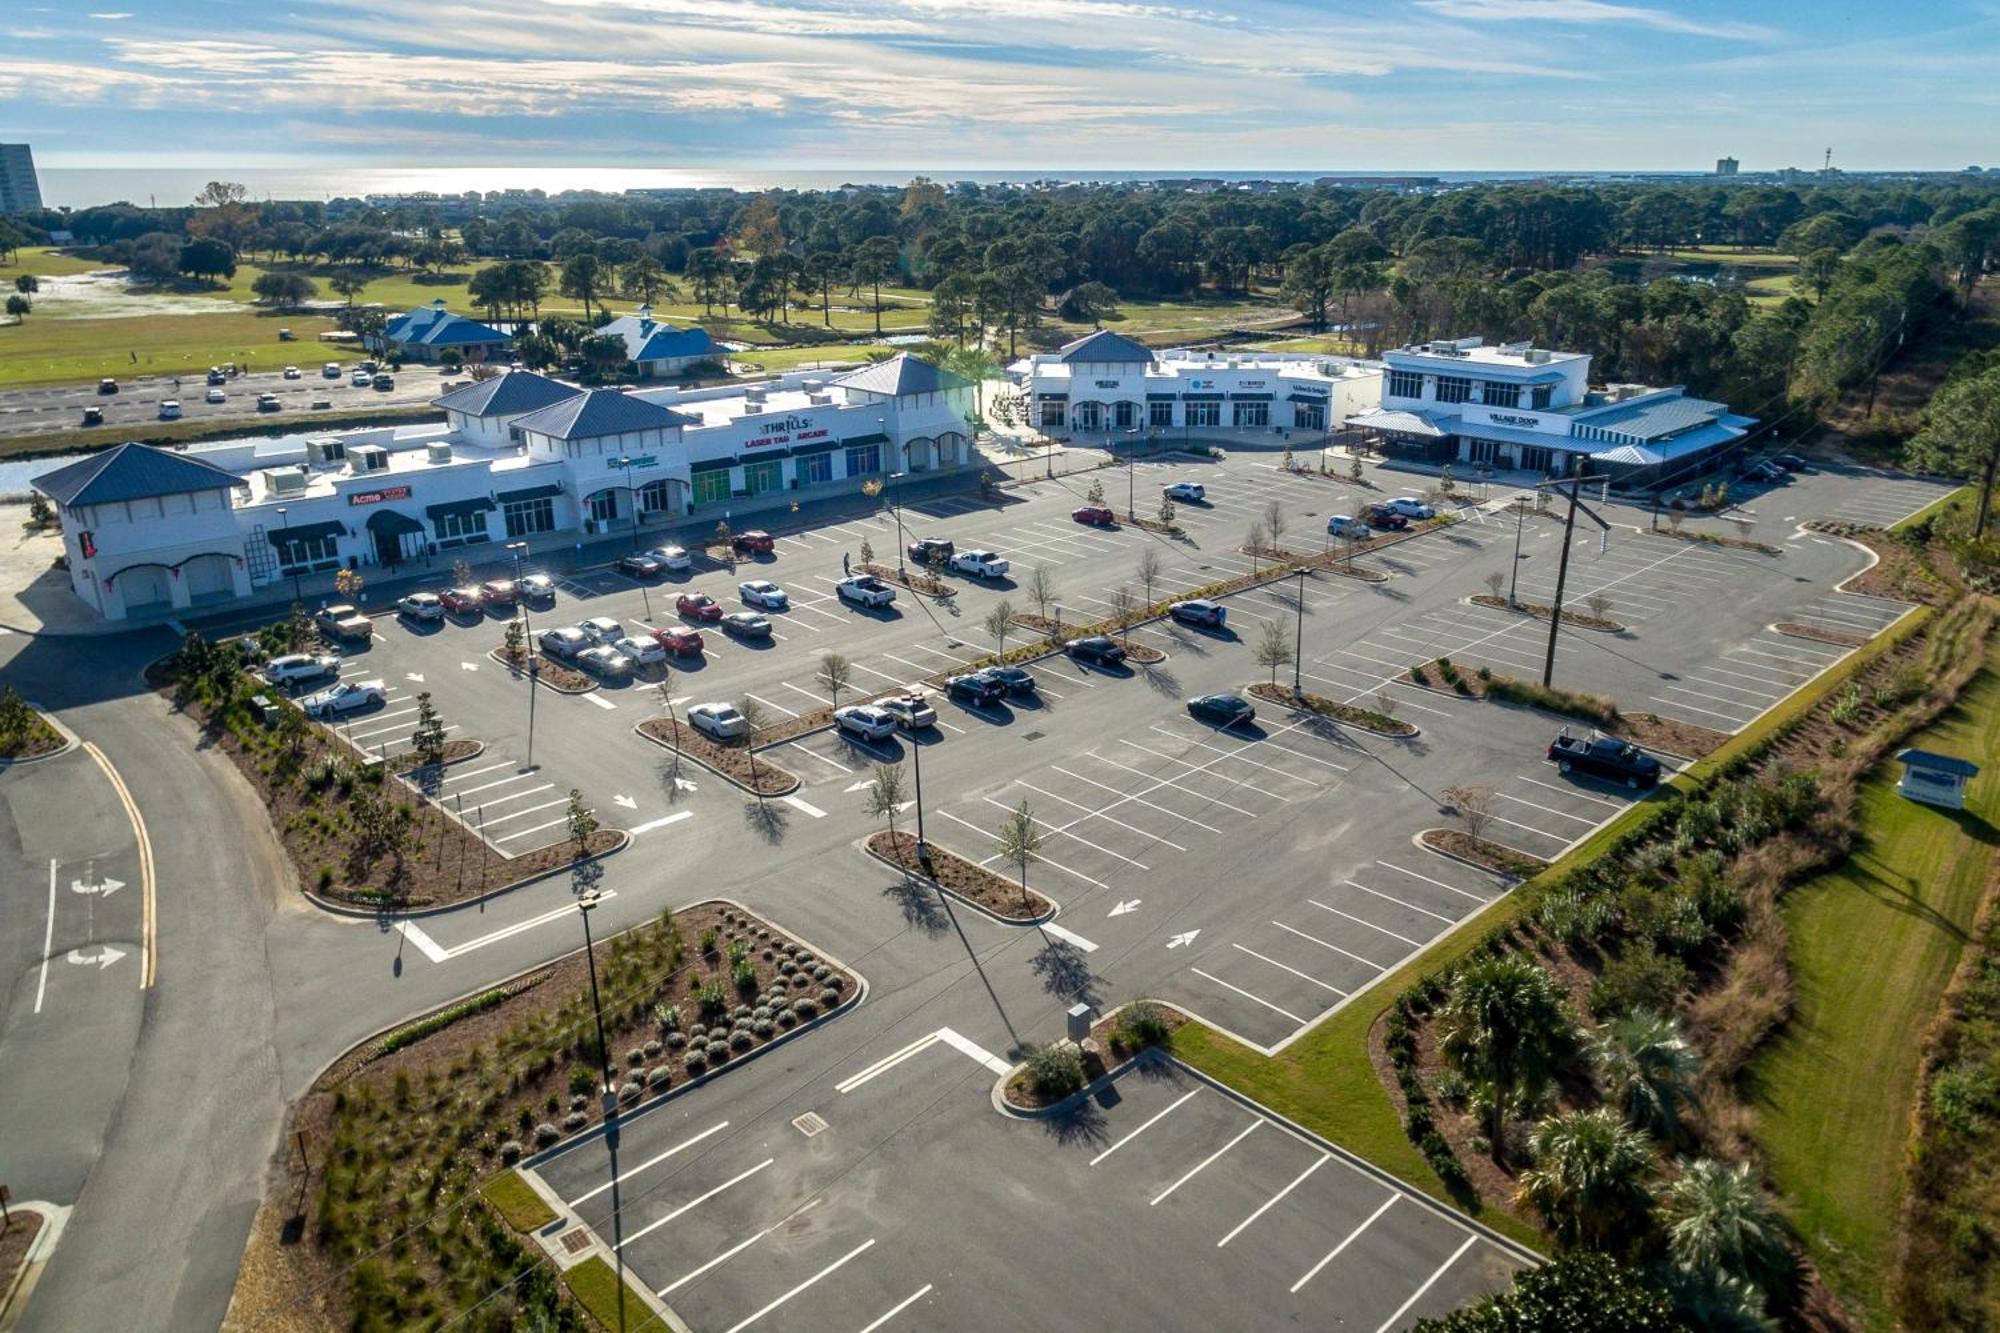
(754, 542)
(1384, 517)
(698, 606)
(462, 601)
(1096, 515)
(680, 640)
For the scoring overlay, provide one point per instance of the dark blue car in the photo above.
(1225, 710)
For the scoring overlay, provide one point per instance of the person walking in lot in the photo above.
(844, 569)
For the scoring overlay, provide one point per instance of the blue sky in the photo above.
(987, 84)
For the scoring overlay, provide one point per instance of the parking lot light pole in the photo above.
(585, 904)
(1299, 640)
(283, 526)
(917, 758)
(896, 503)
(1514, 574)
(625, 461)
(519, 549)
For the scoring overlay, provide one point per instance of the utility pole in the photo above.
(1299, 639)
(917, 760)
(1514, 574)
(625, 461)
(896, 503)
(1562, 569)
(584, 906)
(534, 662)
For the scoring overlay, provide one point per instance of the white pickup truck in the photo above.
(342, 621)
(865, 590)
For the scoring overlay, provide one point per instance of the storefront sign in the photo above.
(1201, 384)
(786, 430)
(377, 497)
(1509, 419)
(643, 460)
(1107, 384)
(1312, 390)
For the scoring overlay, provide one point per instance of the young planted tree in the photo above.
(1021, 842)
(428, 738)
(1386, 702)
(1353, 465)
(1041, 587)
(836, 673)
(1000, 623)
(582, 823)
(1472, 806)
(1599, 604)
(1254, 541)
(1151, 567)
(1124, 608)
(1274, 648)
(1495, 582)
(887, 793)
(348, 583)
(512, 640)
(1507, 1026)
(1096, 492)
(756, 715)
(1274, 523)
(1167, 510)
(867, 552)
(663, 690)
(293, 727)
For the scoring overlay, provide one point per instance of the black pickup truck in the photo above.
(1604, 757)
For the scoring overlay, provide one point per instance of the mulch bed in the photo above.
(1717, 539)
(1844, 638)
(1540, 612)
(733, 762)
(1105, 1040)
(1368, 719)
(927, 585)
(554, 674)
(418, 1118)
(1901, 571)
(41, 739)
(1154, 525)
(455, 752)
(1480, 851)
(1143, 654)
(15, 1240)
(989, 889)
(1645, 729)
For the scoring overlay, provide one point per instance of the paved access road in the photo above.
(136, 405)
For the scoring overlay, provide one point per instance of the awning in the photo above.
(1201, 397)
(1249, 397)
(1398, 423)
(306, 532)
(526, 494)
(711, 465)
(1052, 397)
(1159, 398)
(1317, 400)
(860, 441)
(817, 447)
(478, 504)
(393, 523)
(766, 455)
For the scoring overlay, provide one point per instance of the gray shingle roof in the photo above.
(1652, 420)
(601, 412)
(902, 375)
(506, 395)
(132, 472)
(1105, 348)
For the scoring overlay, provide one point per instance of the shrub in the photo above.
(668, 1016)
(629, 1091)
(711, 1000)
(836, 982)
(1639, 978)
(582, 1080)
(829, 997)
(653, 1050)
(510, 1151)
(741, 1040)
(806, 1009)
(745, 974)
(574, 1121)
(708, 938)
(635, 1057)
(676, 1041)
(762, 1029)
(696, 1063)
(1452, 1088)
(786, 1018)
(1055, 1071)
(545, 1134)
(659, 1078)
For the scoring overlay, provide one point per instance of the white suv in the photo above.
(980, 564)
(1409, 506)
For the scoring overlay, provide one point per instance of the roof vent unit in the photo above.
(289, 480)
(438, 451)
(371, 458)
(821, 398)
(322, 452)
(812, 385)
(1537, 356)
(1514, 349)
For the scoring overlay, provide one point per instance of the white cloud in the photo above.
(1592, 12)
(111, 18)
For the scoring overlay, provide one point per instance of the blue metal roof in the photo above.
(650, 340)
(601, 412)
(132, 472)
(431, 327)
(1105, 348)
(507, 395)
(1654, 419)
(900, 376)
(1938, 763)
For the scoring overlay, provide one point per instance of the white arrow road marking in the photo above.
(438, 953)
(1130, 905)
(104, 958)
(1186, 937)
(107, 887)
(468, 666)
(858, 786)
(416, 676)
(682, 784)
(652, 824)
(1069, 937)
(625, 802)
(803, 807)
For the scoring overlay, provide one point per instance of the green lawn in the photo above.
(595, 1287)
(792, 358)
(51, 351)
(1873, 943)
(45, 262)
(524, 1209)
(1743, 256)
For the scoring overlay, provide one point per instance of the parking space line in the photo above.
(887, 1062)
(1416, 1295)
(516, 837)
(735, 1249)
(460, 776)
(1529, 828)
(1346, 1241)
(661, 822)
(967, 1046)
(630, 1172)
(1255, 999)
(1064, 830)
(768, 704)
(1263, 1207)
(1156, 1118)
(1171, 814)
(1159, 782)
(1046, 859)
(899, 1307)
(1206, 1162)
(817, 755)
(598, 700)
(699, 1199)
(1546, 809)
(1090, 813)
(1314, 939)
(1284, 967)
(513, 796)
(819, 701)
(828, 1271)
(1069, 937)
(1449, 888)
(1730, 718)
(1362, 921)
(1391, 898)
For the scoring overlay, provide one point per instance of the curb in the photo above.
(333, 908)
(1070, 1103)
(70, 742)
(1297, 706)
(1055, 908)
(517, 672)
(797, 781)
(1623, 631)
(1417, 841)
(14, 1299)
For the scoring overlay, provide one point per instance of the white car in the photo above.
(910, 711)
(291, 372)
(643, 652)
(294, 667)
(346, 697)
(537, 587)
(362, 379)
(980, 564)
(864, 590)
(604, 660)
(869, 723)
(1186, 490)
(421, 606)
(216, 396)
(674, 559)
(1409, 506)
(602, 629)
(170, 409)
(721, 721)
(764, 593)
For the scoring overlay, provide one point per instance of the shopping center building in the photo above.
(1110, 385)
(150, 532)
(1517, 407)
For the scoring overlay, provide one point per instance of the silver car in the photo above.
(721, 721)
(421, 606)
(642, 652)
(602, 629)
(605, 661)
(747, 625)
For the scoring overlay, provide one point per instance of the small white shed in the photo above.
(1935, 779)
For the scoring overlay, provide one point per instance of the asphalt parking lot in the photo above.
(137, 402)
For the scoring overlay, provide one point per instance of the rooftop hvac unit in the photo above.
(1514, 349)
(370, 458)
(812, 385)
(324, 451)
(1537, 356)
(438, 451)
(820, 399)
(289, 480)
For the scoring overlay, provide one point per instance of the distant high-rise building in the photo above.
(1725, 166)
(19, 190)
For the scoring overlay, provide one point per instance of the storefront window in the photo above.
(1251, 414)
(711, 486)
(530, 517)
(864, 460)
(604, 506)
(456, 529)
(1204, 414)
(1160, 414)
(1453, 389)
(1543, 393)
(814, 468)
(1406, 384)
(1052, 414)
(302, 554)
(1309, 416)
(1497, 393)
(761, 477)
(653, 496)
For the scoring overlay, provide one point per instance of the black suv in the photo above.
(976, 688)
(1097, 649)
(925, 550)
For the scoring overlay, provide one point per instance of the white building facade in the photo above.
(1108, 384)
(519, 457)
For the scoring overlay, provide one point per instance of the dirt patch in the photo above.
(1482, 852)
(1845, 638)
(557, 676)
(1577, 618)
(1716, 539)
(917, 581)
(1653, 732)
(1368, 719)
(1154, 525)
(402, 1133)
(734, 761)
(1902, 570)
(989, 889)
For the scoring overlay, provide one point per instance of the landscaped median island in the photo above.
(403, 1212)
(1054, 1073)
(1115, 628)
(1368, 719)
(1821, 634)
(1908, 566)
(734, 760)
(556, 675)
(24, 733)
(916, 580)
(1650, 730)
(987, 889)
(358, 829)
(1494, 856)
(1579, 619)
(1715, 539)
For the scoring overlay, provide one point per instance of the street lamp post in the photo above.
(896, 503)
(1514, 574)
(284, 526)
(519, 549)
(1299, 639)
(585, 904)
(917, 758)
(625, 461)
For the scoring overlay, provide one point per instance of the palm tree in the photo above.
(1589, 1178)
(1506, 1025)
(1718, 1223)
(1648, 1069)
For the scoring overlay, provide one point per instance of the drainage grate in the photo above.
(809, 1124)
(1034, 735)
(576, 1240)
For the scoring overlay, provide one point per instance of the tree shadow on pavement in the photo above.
(922, 909)
(1161, 681)
(1065, 972)
(767, 820)
(1083, 1124)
